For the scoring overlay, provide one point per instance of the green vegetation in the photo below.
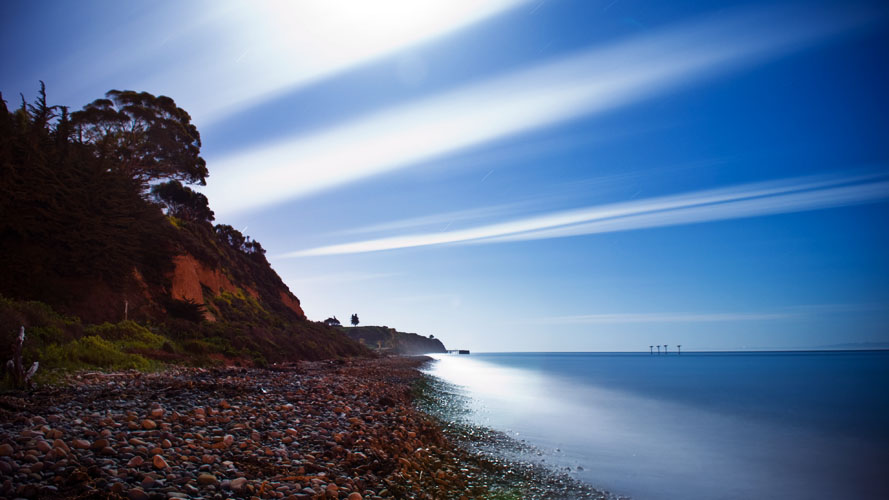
(95, 212)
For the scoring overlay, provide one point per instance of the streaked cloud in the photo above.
(252, 52)
(746, 200)
(670, 317)
(597, 80)
(336, 278)
(791, 312)
(441, 220)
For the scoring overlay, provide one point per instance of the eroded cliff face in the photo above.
(292, 303)
(191, 279)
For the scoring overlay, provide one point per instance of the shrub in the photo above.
(94, 352)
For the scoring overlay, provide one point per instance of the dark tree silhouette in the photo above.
(146, 137)
(231, 236)
(354, 320)
(67, 215)
(238, 241)
(332, 321)
(182, 201)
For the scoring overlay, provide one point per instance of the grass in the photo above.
(245, 333)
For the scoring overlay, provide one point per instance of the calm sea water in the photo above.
(708, 426)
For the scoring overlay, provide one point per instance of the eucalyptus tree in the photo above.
(145, 137)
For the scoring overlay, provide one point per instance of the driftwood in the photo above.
(16, 367)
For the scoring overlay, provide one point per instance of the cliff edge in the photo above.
(387, 339)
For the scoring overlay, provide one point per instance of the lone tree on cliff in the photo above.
(354, 320)
(144, 136)
(332, 321)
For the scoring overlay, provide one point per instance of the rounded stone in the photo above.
(239, 485)
(207, 479)
(137, 494)
(81, 444)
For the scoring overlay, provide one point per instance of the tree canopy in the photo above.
(148, 138)
(354, 320)
(182, 201)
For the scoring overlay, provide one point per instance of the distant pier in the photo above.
(458, 351)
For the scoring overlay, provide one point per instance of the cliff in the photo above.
(391, 340)
(85, 242)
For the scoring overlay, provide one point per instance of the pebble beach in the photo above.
(332, 430)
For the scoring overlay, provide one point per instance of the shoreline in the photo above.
(345, 429)
(512, 466)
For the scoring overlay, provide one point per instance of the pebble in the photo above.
(207, 479)
(80, 444)
(159, 462)
(59, 444)
(6, 450)
(149, 424)
(239, 485)
(137, 494)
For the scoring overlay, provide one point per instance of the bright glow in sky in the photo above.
(264, 49)
(525, 175)
(595, 80)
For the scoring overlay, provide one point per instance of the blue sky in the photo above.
(525, 175)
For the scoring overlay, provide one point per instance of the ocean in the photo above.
(695, 426)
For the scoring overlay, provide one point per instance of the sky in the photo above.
(525, 175)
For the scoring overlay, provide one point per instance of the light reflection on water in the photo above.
(668, 444)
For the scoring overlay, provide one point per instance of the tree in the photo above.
(230, 236)
(236, 239)
(354, 320)
(332, 321)
(182, 201)
(145, 137)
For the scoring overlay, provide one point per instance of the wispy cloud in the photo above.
(670, 317)
(792, 312)
(440, 220)
(585, 83)
(251, 52)
(746, 200)
(335, 278)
